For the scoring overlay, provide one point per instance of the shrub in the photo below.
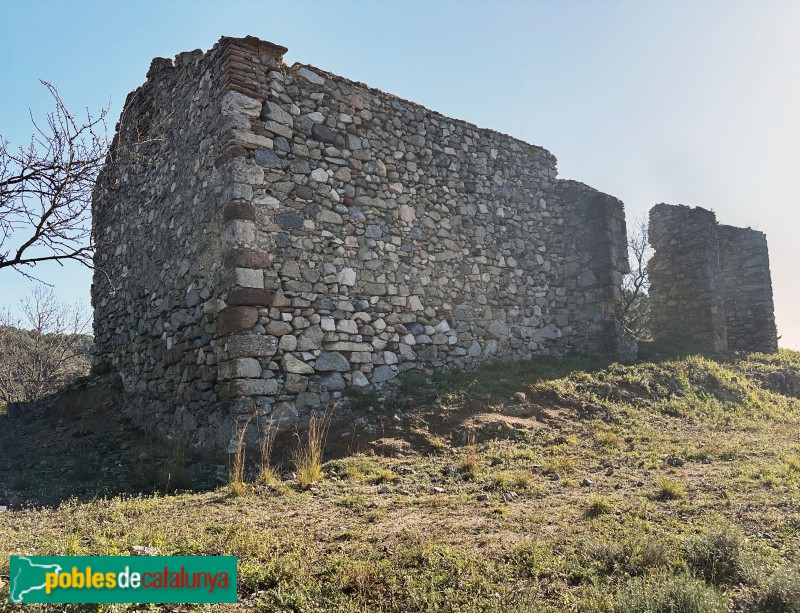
(385, 475)
(668, 594)
(598, 505)
(634, 554)
(717, 554)
(670, 489)
(780, 593)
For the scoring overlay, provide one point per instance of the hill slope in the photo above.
(543, 485)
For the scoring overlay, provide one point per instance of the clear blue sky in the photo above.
(681, 102)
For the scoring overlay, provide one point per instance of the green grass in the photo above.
(670, 489)
(486, 526)
(598, 505)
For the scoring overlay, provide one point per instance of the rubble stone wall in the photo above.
(283, 233)
(747, 290)
(710, 284)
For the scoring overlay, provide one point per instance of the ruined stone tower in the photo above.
(268, 235)
(710, 284)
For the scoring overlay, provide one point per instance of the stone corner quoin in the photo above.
(268, 235)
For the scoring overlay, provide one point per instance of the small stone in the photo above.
(414, 303)
(278, 328)
(333, 382)
(374, 231)
(359, 379)
(554, 476)
(310, 339)
(676, 462)
(293, 365)
(348, 326)
(383, 373)
(313, 77)
(330, 217)
(288, 342)
(322, 133)
(483, 497)
(331, 361)
(384, 489)
(290, 220)
(438, 490)
(587, 482)
(142, 550)
(274, 112)
(406, 213)
(347, 276)
(267, 158)
(320, 175)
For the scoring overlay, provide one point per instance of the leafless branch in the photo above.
(46, 189)
(635, 306)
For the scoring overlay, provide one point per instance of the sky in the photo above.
(682, 102)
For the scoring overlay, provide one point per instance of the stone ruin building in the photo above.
(710, 283)
(269, 235)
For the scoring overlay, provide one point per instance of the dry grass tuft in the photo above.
(469, 465)
(236, 463)
(307, 455)
(267, 473)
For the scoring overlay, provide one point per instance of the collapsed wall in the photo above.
(270, 235)
(747, 290)
(710, 284)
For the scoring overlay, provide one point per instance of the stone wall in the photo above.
(747, 290)
(710, 284)
(269, 235)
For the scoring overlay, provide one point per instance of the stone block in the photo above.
(247, 258)
(253, 387)
(239, 368)
(251, 297)
(236, 319)
(251, 345)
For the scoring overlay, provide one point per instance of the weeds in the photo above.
(307, 455)
(667, 594)
(469, 465)
(670, 489)
(717, 554)
(598, 505)
(634, 553)
(267, 473)
(385, 475)
(236, 463)
(780, 593)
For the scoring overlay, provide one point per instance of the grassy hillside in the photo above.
(549, 485)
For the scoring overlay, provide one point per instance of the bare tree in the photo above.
(635, 301)
(43, 351)
(46, 189)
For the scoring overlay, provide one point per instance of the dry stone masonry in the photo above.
(710, 283)
(270, 235)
